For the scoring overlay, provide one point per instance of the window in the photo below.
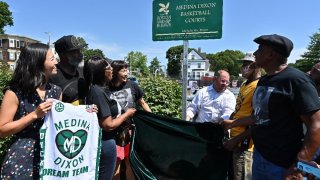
(22, 43)
(18, 44)
(189, 74)
(11, 43)
(188, 65)
(11, 56)
(1, 55)
(0, 42)
(198, 75)
(199, 65)
(192, 56)
(18, 54)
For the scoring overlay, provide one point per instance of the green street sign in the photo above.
(186, 19)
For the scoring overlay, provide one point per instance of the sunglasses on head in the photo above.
(108, 67)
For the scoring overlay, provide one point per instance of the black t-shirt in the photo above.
(73, 86)
(278, 102)
(127, 95)
(107, 106)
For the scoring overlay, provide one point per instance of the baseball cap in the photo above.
(68, 43)
(281, 44)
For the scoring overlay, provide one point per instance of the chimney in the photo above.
(199, 49)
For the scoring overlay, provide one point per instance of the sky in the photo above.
(118, 27)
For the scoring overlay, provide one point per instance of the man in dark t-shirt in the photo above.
(70, 75)
(284, 98)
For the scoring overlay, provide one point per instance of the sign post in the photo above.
(184, 78)
(186, 20)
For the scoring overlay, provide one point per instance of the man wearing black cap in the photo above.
(69, 76)
(284, 98)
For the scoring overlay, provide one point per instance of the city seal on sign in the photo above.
(164, 19)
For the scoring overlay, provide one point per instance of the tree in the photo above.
(226, 60)
(87, 53)
(154, 64)
(5, 76)
(137, 63)
(173, 55)
(6, 18)
(303, 65)
(313, 49)
(311, 56)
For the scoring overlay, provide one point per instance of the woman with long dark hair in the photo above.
(24, 105)
(97, 72)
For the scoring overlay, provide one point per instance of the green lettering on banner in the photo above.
(72, 123)
(68, 164)
(58, 126)
(53, 172)
(79, 171)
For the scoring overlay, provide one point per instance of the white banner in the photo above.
(70, 143)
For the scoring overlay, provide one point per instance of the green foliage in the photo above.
(174, 61)
(311, 56)
(303, 64)
(226, 60)
(4, 143)
(87, 53)
(5, 76)
(138, 63)
(5, 16)
(313, 49)
(154, 64)
(164, 96)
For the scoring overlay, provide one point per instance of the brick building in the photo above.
(10, 46)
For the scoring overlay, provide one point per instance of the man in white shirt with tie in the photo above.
(213, 103)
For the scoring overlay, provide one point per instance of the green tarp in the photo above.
(168, 148)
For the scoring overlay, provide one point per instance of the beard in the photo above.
(74, 62)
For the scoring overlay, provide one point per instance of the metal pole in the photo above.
(184, 78)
